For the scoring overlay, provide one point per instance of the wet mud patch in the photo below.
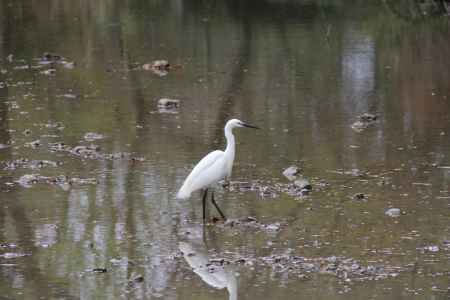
(269, 189)
(62, 181)
(91, 152)
(253, 223)
(344, 269)
(24, 163)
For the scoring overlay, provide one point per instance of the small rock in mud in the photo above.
(158, 67)
(83, 181)
(364, 121)
(12, 165)
(367, 117)
(34, 144)
(92, 136)
(47, 56)
(359, 196)
(166, 105)
(68, 96)
(58, 147)
(8, 245)
(121, 262)
(28, 180)
(393, 212)
(273, 227)
(10, 255)
(22, 67)
(267, 192)
(86, 151)
(68, 64)
(431, 248)
(99, 270)
(251, 222)
(303, 184)
(49, 72)
(39, 164)
(135, 280)
(299, 188)
(292, 172)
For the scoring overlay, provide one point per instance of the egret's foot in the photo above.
(226, 183)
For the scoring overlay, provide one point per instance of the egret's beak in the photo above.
(250, 126)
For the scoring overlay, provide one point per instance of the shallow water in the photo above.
(103, 222)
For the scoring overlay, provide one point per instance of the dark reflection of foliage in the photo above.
(413, 10)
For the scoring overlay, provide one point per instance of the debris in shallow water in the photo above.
(158, 67)
(68, 64)
(252, 222)
(365, 120)
(47, 56)
(393, 212)
(366, 117)
(431, 248)
(291, 172)
(68, 96)
(121, 262)
(92, 136)
(86, 151)
(135, 280)
(49, 72)
(359, 196)
(28, 180)
(303, 185)
(8, 245)
(34, 144)
(92, 152)
(99, 270)
(22, 67)
(166, 105)
(267, 192)
(10, 255)
(83, 181)
(58, 147)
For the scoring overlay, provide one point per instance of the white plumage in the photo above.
(208, 171)
(212, 168)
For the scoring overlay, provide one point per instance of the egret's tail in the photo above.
(183, 193)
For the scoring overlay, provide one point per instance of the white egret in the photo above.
(212, 168)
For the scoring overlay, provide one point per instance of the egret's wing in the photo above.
(205, 163)
(202, 165)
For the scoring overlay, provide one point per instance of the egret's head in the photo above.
(238, 123)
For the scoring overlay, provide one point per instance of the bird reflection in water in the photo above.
(217, 276)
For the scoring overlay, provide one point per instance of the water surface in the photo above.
(103, 223)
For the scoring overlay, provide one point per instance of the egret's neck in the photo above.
(229, 150)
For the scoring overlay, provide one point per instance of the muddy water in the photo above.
(90, 165)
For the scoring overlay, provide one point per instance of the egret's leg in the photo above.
(204, 204)
(217, 207)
